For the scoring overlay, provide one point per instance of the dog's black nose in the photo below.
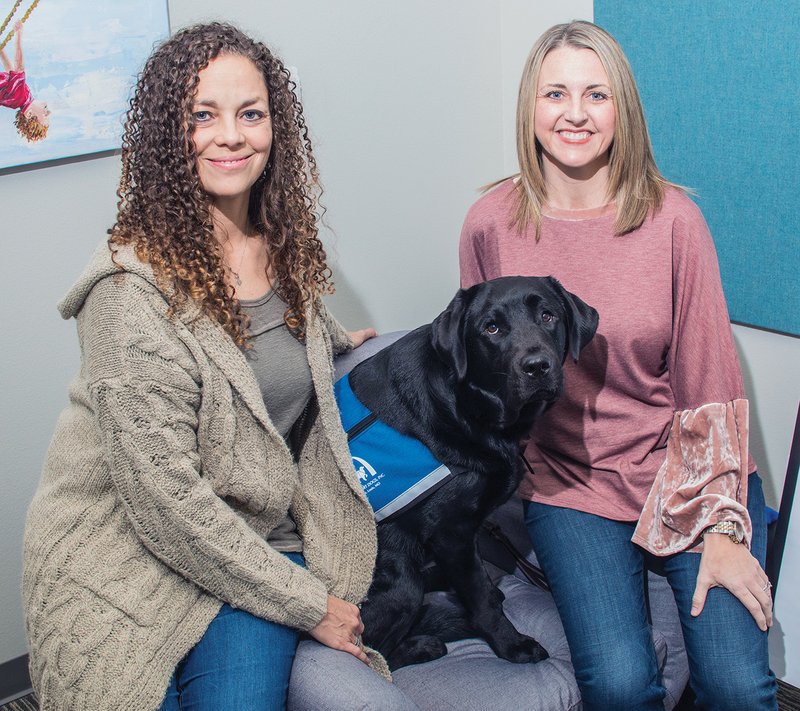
(536, 365)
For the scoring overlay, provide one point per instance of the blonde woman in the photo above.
(644, 461)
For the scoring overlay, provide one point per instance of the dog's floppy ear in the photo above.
(447, 334)
(582, 320)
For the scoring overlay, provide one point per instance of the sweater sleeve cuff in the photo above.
(702, 481)
(310, 608)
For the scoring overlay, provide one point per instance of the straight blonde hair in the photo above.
(635, 181)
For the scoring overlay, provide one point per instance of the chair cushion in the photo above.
(470, 676)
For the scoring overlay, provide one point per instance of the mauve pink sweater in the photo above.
(663, 350)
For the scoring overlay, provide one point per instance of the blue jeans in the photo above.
(241, 662)
(598, 581)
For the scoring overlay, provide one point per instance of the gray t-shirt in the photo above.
(280, 364)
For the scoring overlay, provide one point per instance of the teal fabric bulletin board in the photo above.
(719, 83)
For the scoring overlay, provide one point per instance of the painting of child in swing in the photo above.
(33, 117)
(66, 68)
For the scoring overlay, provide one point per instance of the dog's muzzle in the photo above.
(536, 365)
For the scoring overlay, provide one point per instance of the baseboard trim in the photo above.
(14, 677)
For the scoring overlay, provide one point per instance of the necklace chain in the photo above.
(241, 262)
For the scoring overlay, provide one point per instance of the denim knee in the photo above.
(625, 677)
(729, 690)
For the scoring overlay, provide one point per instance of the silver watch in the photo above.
(728, 528)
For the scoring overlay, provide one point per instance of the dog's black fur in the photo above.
(469, 386)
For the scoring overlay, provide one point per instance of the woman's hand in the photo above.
(358, 337)
(731, 566)
(341, 628)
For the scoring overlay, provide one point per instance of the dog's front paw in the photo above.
(416, 650)
(522, 650)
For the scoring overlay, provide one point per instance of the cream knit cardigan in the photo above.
(163, 478)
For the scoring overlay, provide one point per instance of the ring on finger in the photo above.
(766, 586)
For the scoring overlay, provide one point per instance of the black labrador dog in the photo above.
(468, 386)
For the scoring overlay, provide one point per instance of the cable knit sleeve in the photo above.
(704, 477)
(148, 398)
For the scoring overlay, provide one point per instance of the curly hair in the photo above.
(164, 212)
(29, 127)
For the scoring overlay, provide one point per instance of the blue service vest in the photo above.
(395, 470)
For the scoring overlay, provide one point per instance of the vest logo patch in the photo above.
(394, 470)
(367, 475)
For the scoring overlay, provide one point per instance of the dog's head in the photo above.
(505, 341)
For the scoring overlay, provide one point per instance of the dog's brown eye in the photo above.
(491, 328)
(547, 317)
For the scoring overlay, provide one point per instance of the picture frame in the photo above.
(82, 60)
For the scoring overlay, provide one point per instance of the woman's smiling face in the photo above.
(575, 118)
(232, 129)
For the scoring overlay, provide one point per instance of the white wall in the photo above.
(402, 100)
(522, 21)
(411, 106)
(53, 218)
(771, 369)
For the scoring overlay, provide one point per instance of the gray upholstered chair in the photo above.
(471, 678)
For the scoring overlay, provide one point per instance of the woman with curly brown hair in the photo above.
(198, 508)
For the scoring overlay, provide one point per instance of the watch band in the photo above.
(728, 528)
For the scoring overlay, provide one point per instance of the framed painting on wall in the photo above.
(80, 61)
